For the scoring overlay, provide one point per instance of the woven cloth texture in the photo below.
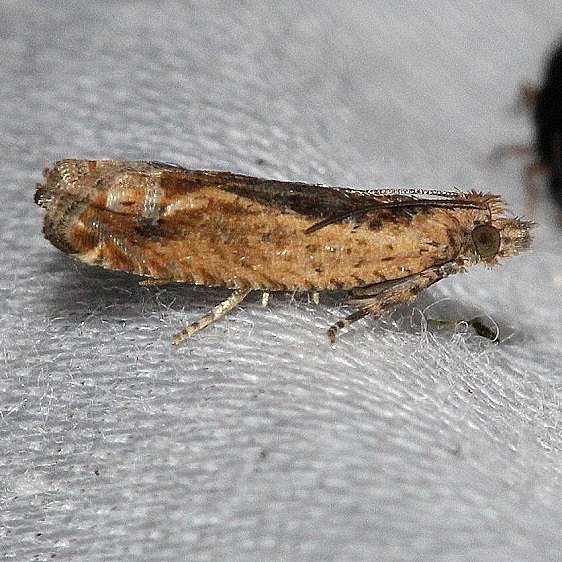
(257, 440)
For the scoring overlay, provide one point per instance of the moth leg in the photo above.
(265, 298)
(315, 297)
(216, 313)
(381, 298)
(344, 322)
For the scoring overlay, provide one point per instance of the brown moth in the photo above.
(171, 224)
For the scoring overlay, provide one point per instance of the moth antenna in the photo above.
(414, 203)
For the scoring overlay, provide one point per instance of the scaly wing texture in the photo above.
(217, 228)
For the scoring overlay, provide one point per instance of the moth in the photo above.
(219, 229)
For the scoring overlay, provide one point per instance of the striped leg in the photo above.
(380, 299)
(216, 313)
(341, 324)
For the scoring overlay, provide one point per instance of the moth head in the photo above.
(500, 238)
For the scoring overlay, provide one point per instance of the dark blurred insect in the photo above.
(544, 102)
(547, 115)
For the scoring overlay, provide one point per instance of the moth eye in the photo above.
(487, 240)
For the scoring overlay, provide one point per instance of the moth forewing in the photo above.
(171, 224)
